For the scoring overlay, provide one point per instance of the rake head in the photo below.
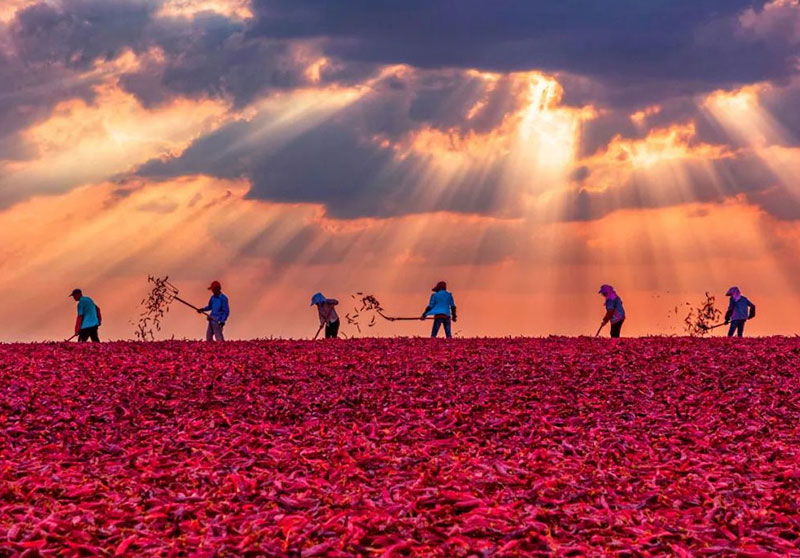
(155, 306)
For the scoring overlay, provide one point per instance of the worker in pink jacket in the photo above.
(615, 313)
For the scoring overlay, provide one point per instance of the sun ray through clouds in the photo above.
(283, 149)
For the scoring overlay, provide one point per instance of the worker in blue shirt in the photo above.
(740, 309)
(218, 312)
(443, 309)
(89, 318)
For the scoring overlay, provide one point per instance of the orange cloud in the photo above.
(83, 143)
(673, 143)
(188, 8)
(10, 7)
(640, 116)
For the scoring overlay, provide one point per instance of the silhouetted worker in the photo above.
(327, 314)
(739, 311)
(89, 318)
(441, 307)
(615, 313)
(218, 312)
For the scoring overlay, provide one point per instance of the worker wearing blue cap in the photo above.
(327, 314)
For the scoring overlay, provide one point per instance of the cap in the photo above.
(605, 288)
(318, 298)
(440, 286)
(76, 292)
(732, 291)
(214, 285)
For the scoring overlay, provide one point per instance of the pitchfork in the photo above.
(173, 295)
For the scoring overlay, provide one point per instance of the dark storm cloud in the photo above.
(338, 162)
(212, 56)
(619, 55)
(76, 33)
(205, 55)
(28, 93)
(49, 53)
(695, 43)
(332, 165)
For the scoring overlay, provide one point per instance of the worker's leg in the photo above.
(740, 328)
(218, 331)
(93, 335)
(616, 329)
(436, 325)
(447, 328)
(83, 335)
(332, 330)
(210, 332)
(732, 329)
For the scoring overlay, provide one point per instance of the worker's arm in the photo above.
(325, 310)
(752, 311)
(425, 312)
(225, 310)
(332, 301)
(78, 323)
(608, 316)
(453, 312)
(99, 315)
(205, 308)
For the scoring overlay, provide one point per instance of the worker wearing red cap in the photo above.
(218, 312)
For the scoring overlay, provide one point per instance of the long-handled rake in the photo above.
(600, 329)
(401, 319)
(324, 323)
(370, 304)
(709, 328)
(173, 295)
(156, 305)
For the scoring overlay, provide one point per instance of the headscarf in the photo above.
(440, 286)
(734, 292)
(318, 298)
(608, 292)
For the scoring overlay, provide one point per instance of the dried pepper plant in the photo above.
(155, 307)
(369, 305)
(402, 448)
(702, 317)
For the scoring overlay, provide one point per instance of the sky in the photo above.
(525, 151)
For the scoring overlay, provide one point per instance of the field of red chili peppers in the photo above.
(406, 447)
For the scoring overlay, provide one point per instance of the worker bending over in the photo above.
(615, 313)
(327, 314)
